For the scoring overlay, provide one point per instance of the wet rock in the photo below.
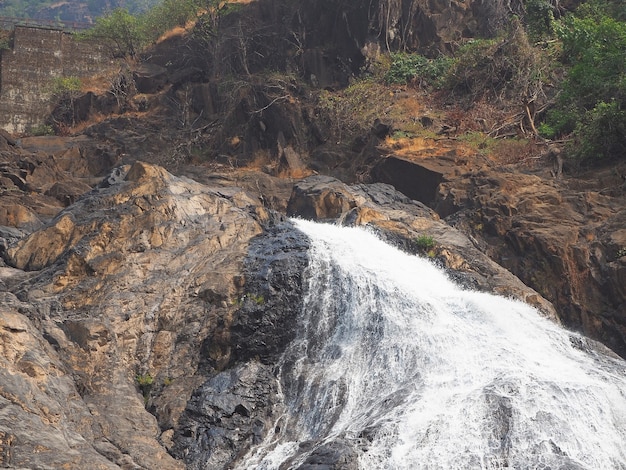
(272, 295)
(227, 416)
(402, 221)
(335, 455)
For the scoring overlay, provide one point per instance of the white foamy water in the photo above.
(420, 374)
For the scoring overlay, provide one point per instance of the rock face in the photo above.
(141, 326)
(130, 285)
(562, 236)
(560, 239)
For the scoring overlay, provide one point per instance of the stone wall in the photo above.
(28, 70)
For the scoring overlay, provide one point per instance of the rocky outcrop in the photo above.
(403, 222)
(141, 326)
(560, 239)
(131, 283)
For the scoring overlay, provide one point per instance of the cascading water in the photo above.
(417, 373)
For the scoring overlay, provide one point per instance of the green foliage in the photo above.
(540, 18)
(126, 34)
(480, 142)
(123, 33)
(592, 103)
(41, 130)
(171, 13)
(620, 253)
(64, 86)
(145, 383)
(601, 133)
(595, 47)
(257, 299)
(408, 67)
(425, 243)
(6, 42)
(144, 380)
(559, 121)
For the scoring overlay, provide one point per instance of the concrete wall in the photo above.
(28, 70)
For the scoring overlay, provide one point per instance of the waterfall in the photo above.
(416, 373)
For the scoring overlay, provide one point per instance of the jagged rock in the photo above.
(18, 216)
(228, 415)
(320, 198)
(67, 192)
(560, 241)
(272, 296)
(119, 293)
(335, 455)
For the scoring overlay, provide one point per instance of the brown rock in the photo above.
(119, 296)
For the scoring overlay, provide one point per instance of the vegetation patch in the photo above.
(425, 243)
(591, 107)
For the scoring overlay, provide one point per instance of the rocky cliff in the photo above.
(149, 272)
(146, 316)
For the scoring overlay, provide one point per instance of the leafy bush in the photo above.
(41, 130)
(601, 133)
(122, 33)
(126, 34)
(145, 383)
(407, 67)
(559, 122)
(63, 86)
(592, 103)
(540, 18)
(595, 48)
(425, 242)
(169, 14)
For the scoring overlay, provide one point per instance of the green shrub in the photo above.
(145, 382)
(122, 33)
(559, 122)
(425, 243)
(41, 130)
(63, 86)
(408, 67)
(540, 18)
(601, 133)
(592, 104)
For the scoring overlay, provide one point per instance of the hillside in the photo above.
(460, 124)
(79, 11)
(154, 290)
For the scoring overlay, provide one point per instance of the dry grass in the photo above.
(101, 83)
